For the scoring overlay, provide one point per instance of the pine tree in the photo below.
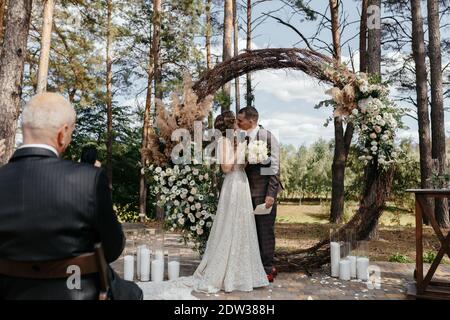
(46, 36)
(12, 61)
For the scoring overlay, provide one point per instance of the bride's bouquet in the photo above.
(257, 152)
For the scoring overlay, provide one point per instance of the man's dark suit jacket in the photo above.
(53, 209)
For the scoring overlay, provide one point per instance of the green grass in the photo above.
(316, 213)
(400, 258)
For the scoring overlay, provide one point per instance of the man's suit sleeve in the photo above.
(110, 230)
(274, 181)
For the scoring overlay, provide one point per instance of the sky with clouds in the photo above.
(286, 98)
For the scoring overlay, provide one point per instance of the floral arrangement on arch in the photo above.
(365, 102)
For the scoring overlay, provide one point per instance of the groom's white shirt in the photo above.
(43, 146)
(253, 133)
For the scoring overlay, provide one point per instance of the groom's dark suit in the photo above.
(264, 180)
(52, 209)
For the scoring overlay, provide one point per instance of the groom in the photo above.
(265, 184)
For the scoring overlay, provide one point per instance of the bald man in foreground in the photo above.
(52, 209)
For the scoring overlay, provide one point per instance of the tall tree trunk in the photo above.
(249, 93)
(437, 105)
(374, 43)
(157, 72)
(335, 32)
(418, 47)
(147, 123)
(109, 107)
(46, 39)
(2, 18)
(374, 68)
(342, 139)
(12, 60)
(363, 37)
(227, 42)
(208, 31)
(236, 52)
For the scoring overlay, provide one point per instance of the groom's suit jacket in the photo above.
(264, 179)
(52, 209)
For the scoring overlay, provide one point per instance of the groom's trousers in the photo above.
(265, 226)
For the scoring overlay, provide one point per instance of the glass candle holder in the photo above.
(149, 236)
(350, 237)
(141, 247)
(362, 260)
(128, 260)
(158, 265)
(351, 254)
(173, 263)
(158, 245)
(335, 251)
(145, 260)
(363, 248)
(130, 247)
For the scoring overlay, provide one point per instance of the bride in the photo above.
(232, 260)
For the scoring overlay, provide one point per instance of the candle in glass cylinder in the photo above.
(159, 254)
(362, 265)
(352, 260)
(138, 259)
(335, 249)
(145, 264)
(128, 268)
(344, 269)
(157, 270)
(173, 270)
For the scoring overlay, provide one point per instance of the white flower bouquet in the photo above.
(186, 193)
(257, 152)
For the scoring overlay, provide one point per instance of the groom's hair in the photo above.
(250, 113)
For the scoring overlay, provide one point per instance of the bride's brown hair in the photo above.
(225, 121)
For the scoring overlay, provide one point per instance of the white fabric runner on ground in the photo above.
(180, 289)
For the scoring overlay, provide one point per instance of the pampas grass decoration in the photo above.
(182, 113)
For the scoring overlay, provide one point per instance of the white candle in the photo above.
(362, 264)
(159, 255)
(335, 249)
(352, 260)
(145, 264)
(344, 269)
(157, 270)
(138, 259)
(174, 270)
(128, 268)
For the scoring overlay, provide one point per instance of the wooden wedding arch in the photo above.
(377, 181)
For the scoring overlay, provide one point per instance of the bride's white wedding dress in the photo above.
(232, 260)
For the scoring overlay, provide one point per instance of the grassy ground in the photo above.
(300, 226)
